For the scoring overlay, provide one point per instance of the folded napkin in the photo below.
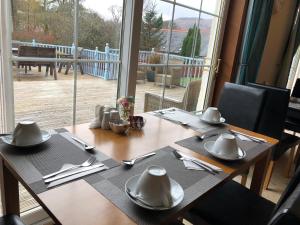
(193, 166)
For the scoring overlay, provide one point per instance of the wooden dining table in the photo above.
(78, 202)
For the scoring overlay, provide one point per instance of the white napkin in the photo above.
(193, 166)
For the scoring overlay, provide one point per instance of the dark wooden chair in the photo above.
(296, 89)
(241, 105)
(272, 124)
(233, 204)
(11, 220)
(38, 52)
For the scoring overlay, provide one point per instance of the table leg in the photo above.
(54, 71)
(81, 69)
(9, 191)
(259, 174)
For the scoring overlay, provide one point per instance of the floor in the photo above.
(49, 102)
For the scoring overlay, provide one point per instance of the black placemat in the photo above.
(192, 120)
(194, 183)
(35, 162)
(251, 148)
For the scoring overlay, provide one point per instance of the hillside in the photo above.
(180, 30)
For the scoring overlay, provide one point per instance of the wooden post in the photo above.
(96, 57)
(106, 67)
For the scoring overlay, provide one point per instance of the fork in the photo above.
(86, 163)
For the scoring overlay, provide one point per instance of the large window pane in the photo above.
(154, 44)
(186, 54)
(212, 6)
(42, 29)
(99, 39)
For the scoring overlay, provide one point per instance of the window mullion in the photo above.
(130, 47)
(76, 27)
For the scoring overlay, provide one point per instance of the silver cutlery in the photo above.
(75, 176)
(255, 139)
(70, 173)
(204, 136)
(86, 146)
(162, 112)
(86, 163)
(177, 121)
(132, 161)
(202, 165)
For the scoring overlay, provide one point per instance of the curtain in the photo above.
(259, 16)
(288, 68)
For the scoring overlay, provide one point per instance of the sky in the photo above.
(102, 6)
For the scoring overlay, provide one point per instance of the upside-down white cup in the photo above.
(211, 114)
(154, 187)
(27, 133)
(226, 145)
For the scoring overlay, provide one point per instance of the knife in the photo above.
(76, 176)
(255, 139)
(73, 172)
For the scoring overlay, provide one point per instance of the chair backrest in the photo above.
(296, 89)
(241, 105)
(27, 51)
(272, 119)
(46, 52)
(287, 210)
(191, 95)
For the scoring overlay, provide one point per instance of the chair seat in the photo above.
(230, 204)
(11, 220)
(287, 141)
(292, 124)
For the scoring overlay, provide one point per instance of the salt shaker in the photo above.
(114, 116)
(100, 112)
(105, 121)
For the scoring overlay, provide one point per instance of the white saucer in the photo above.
(45, 137)
(209, 145)
(177, 194)
(222, 120)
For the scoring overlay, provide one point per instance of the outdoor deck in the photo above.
(50, 102)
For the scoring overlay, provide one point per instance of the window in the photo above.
(179, 44)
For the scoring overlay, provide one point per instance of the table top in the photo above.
(80, 202)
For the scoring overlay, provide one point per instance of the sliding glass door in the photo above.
(179, 44)
(64, 60)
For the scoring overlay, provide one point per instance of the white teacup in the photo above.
(27, 133)
(212, 114)
(226, 145)
(154, 187)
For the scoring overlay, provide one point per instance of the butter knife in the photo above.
(255, 139)
(72, 173)
(75, 176)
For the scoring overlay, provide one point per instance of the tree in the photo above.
(151, 34)
(188, 41)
